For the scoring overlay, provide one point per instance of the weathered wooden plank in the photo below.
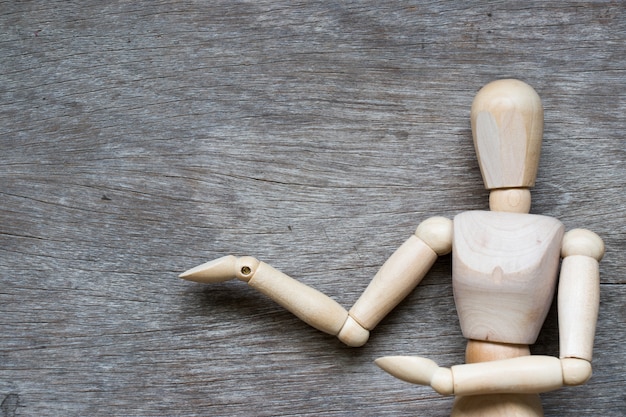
(138, 139)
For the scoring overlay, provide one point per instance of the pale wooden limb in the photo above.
(308, 304)
(521, 375)
(403, 271)
(398, 276)
(394, 281)
(496, 405)
(579, 293)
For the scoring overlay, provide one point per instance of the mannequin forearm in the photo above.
(523, 375)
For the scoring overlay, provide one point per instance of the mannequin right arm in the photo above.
(394, 281)
(402, 272)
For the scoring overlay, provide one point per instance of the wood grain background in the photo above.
(138, 139)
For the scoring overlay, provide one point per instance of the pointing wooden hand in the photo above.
(505, 266)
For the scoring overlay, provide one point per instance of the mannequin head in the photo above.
(507, 127)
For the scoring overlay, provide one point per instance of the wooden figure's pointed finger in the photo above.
(218, 270)
(413, 369)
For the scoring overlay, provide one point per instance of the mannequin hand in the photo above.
(418, 370)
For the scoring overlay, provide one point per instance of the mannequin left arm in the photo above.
(578, 301)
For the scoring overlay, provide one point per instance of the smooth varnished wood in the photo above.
(512, 200)
(138, 139)
(403, 271)
(505, 269)
(507, 126)
(397, 277)
(395, 280)
(523, 375)
(483, 351)
(579, 293)
(504, 405)
(308, 304)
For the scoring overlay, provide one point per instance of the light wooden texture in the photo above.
(579, 293)
(507, 127)
(418, 370)
(504, 268)
(578, 302)
(138, 139)
(512, 200)
(308, 304)
(395, 280)
(482, 351)
(305, 302)
(486, 382)
(532, 374)
(403, 271)
(500, 405)
(527, 374)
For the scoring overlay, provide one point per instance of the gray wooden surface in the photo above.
(138, 139)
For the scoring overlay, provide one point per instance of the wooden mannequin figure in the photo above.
(505, 264)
